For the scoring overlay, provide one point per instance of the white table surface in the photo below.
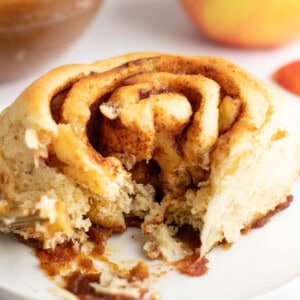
(162, 26)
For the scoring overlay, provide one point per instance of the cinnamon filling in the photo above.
(60, 262)
(155, 80)
(57, 101)
(192, 265)
(99, 236)
(56, 104)
(260, 222)
(78, 284)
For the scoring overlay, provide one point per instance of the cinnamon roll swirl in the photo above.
(171, 140)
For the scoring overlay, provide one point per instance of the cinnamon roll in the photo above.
(171, 140)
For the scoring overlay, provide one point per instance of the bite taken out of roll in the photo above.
(172, 140)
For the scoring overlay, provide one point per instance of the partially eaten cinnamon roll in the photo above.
(170, 140)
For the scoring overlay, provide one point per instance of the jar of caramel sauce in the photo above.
(32, 32)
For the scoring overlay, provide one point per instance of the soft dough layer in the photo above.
(172, 140)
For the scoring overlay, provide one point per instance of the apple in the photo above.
(246, 23)
(288, 76)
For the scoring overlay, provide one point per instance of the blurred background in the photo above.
(117, 27)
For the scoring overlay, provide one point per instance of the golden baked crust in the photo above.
(172, 139)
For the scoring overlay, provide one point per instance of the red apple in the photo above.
(246, 23)
(288, 77)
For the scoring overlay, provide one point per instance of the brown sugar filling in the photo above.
(57, 101)
(56, 104)
(59, 261)
(94, 124)
(78, 283)
(260, 222)
(263, 220)
(192, 265)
